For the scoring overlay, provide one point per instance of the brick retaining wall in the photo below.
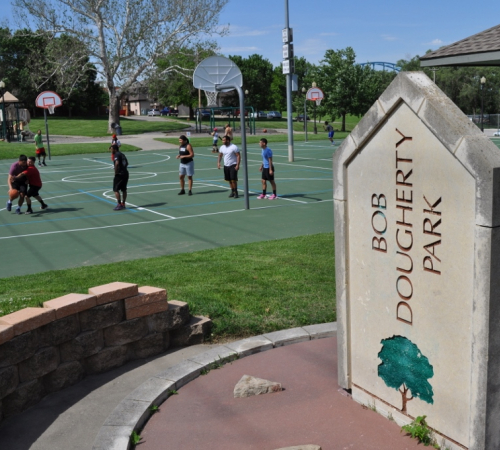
(43, 350)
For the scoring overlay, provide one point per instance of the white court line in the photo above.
(144, 223)
(139, 208)
(97, 161)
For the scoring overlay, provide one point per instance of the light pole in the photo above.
(304, 91)
(4, 115)
(483, 81)
(315, 129)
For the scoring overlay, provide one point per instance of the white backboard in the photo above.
(315, 94)
(215, 72)
(48, 98)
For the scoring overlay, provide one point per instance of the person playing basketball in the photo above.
(331, 132)
(40, 149)
(35, 184)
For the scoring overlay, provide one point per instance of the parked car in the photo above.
(496, 133)
(204, 114)
(173, 112)
(237, 113)
(154, 112)
(300, 118)
(261, 115)
(165, 111)
(274, 115)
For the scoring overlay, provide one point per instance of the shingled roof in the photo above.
(481, 49)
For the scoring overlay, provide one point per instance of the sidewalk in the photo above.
(101, 411)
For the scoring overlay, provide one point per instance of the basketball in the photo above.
(264, 130)
(13, 194)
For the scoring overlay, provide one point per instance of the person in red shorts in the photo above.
(35, 184)
(40, 149)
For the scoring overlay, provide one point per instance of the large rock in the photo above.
(248, 386)
(176, 316)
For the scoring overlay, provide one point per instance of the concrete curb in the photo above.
(134, 410)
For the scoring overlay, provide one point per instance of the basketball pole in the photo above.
(289, 111)
(47, 131)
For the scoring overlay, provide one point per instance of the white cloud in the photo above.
(436, 42)
(237, 31)
(227, 50)
(388, 37)
(329, 34)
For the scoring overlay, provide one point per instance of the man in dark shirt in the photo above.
(121, 177)
(17, 188)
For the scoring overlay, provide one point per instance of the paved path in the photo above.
(204, 414)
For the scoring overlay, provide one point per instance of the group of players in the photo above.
(25, 182)
(231, 155)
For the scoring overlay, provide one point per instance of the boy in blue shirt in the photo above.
(267, 169)
(215, 141)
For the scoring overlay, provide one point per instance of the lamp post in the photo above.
(483, 81)
(304, 91)
(4, 116)
(315, 129)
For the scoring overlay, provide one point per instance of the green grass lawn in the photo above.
(97, 126)
(14, 149)
(246, 290)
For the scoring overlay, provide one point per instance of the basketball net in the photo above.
(51, 109)
(211, 98)
(318, 101)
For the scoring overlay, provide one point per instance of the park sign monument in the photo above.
(417, 252)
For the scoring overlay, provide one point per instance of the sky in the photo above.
(384, 31)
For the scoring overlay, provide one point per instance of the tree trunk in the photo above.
(343, 122)
(114, 111)
(405, 398)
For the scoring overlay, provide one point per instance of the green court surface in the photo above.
(80, 227)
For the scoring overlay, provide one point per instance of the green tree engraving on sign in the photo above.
(404, 368)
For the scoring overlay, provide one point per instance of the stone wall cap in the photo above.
(28, 319)
(70, 304)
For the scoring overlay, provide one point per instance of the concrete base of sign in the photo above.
(391, 413)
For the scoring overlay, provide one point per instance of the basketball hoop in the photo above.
(211, 98)
(318, 101)
(51, 109)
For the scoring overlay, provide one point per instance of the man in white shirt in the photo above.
(232, 159)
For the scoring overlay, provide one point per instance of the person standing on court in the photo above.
(215, 141)
(186, 165)
(228, 131)
(40, 149)
(120, 181)
(232, 158)
(267, 169)
(331, 132)
(17, 185)
(35, 184)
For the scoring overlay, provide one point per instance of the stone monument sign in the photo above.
(417, 211)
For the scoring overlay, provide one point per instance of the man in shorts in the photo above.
(267, 169)
(17, 185)
(32, 175)
(331, 132)
(232, 159)
(120, 180)
(40, 149)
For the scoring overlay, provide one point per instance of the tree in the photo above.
(403, 366)
(344, 84)
(125, 38)
(172, 83)
(257, 75)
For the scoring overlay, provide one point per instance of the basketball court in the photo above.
(80, 227)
